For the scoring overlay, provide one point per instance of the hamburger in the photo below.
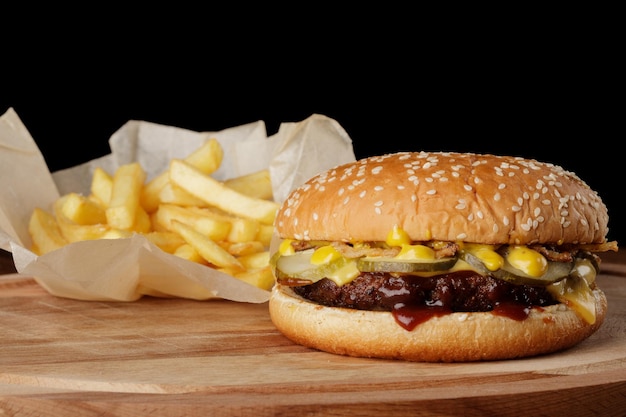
(440, 257)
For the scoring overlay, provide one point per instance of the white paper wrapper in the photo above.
(127, 269)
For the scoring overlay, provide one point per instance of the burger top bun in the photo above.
(446, 196)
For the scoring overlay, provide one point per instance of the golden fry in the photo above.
(125, 194)
(207, 248)
(82, 210)
(214, 228)
(165, 240)
(207, 159)
(262, 278)
(217, 194)
(101, 185)
(256, 184)
(188, 252)
(45, 232)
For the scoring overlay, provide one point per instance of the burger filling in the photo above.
(417, 280)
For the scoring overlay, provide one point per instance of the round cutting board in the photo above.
(163, 356)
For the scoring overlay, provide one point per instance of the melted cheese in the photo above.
(575, 291)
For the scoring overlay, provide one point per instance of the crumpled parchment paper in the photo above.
(127, 269)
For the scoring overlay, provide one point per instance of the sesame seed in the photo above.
(431, 192)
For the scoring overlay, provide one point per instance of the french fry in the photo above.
(150, 197)
(188, 252)
(45, 232)
(256, 184)
(206, 158)
(142, 224)
(72, 231)
(243, 230)
(211, 226)
(261, 278)
(242, 248)
(217, 194)
(172, 194)
(125, 194)
(101, 185)
(165, 240)
(256, 260)
(266, 231)
(82, 210)
(207, 248)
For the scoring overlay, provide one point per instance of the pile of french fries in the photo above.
(184, 211)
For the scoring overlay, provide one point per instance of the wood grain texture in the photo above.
(162, 357)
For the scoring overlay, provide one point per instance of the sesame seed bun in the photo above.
(446, 196)
(456, 337)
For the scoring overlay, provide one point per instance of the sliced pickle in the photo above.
(555, 271)
(385, 264)
(297, 269)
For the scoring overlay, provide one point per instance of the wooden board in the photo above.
(163, 356)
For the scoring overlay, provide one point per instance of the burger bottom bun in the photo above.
(456, 337)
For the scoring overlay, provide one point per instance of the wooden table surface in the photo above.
(161, 357)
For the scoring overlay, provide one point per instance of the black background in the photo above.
(557, 103)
